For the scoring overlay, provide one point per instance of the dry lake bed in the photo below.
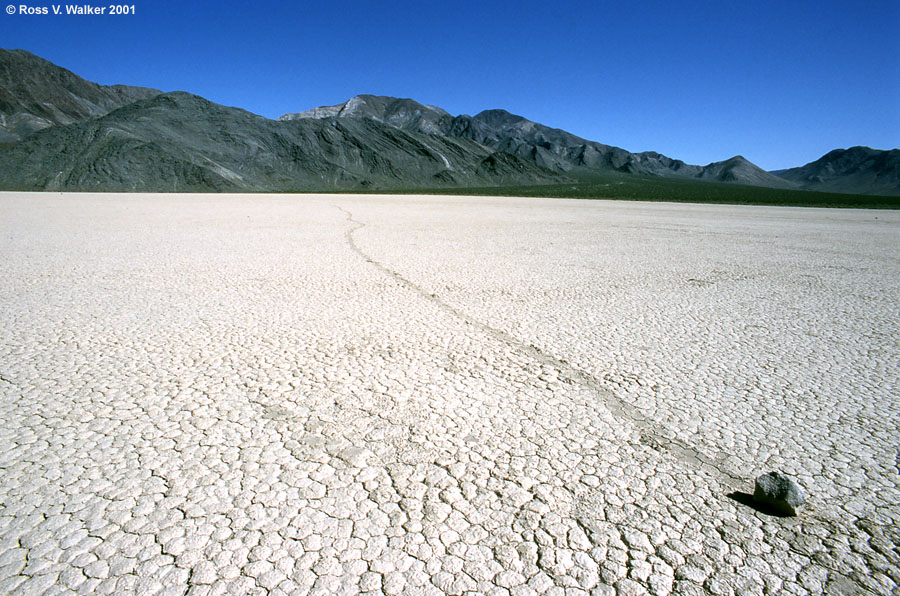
(292, 394)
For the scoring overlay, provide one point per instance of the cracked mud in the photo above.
(428, 395)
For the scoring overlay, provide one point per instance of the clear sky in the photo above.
(779, 82)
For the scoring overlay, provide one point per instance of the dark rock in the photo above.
(778, 492)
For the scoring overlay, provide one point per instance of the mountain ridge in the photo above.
(552, 148)
(182, 141)
(848, 170)
(60, 131)
(36, 94)
(404, 113)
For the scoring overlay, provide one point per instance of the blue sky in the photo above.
(778, 82)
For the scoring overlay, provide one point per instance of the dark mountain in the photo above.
(181, 142)
(59, 131)
(35, 94)
(738, 169)
(550, 148)
(854, 170)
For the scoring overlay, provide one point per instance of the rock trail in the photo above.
(653, 435)
(264, 395)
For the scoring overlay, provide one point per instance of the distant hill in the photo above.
(182, 142)
(738, 169)
(854, 170)
(35, 94)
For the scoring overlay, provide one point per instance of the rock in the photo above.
(356, 457)
(777, 491)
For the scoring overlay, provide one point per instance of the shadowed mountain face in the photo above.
(35, 94)
(854, 170)
(547, 147)
(551, 148)
(181, 142)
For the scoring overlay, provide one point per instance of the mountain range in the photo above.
(854, 170)
(61, 132)
(550, 148)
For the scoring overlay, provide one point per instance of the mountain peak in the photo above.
(403, 113)
(740, 170)
(35, 94)
(500, 117)
(857, 169)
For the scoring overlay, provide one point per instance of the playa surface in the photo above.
(293, 394)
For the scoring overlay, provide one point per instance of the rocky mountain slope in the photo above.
(551, 148)
(35, 94)
(404, 114)
(59, 131)
(182, 142)
(854, 170)
(740, 170)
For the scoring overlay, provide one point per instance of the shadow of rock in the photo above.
(748, 500)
